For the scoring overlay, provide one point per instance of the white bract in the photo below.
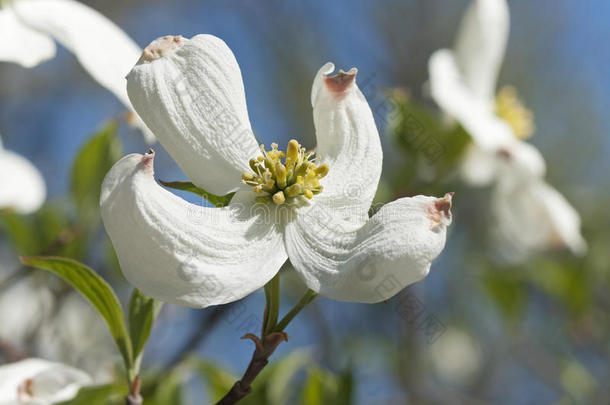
(28, 27)
(74, 333)
(463, 83)
(287, 205)
(39, 382)
(23, 308)
(22, 187)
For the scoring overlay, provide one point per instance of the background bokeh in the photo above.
(476, 330)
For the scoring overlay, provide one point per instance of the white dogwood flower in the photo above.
(39, 382)
(22, 187)
(530, 215)
(463, 83)
(287, 204)
(28, 28)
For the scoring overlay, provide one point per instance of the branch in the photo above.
(272, 335)
(260, 358)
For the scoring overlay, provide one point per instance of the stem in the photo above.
(242, 387)
(272, 293)
(306, 299)
(260, 358)
(269, 342)
(134, 397)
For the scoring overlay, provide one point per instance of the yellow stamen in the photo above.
(280, 175)
(284, 176)
(294, 190)
(322, 170)
(279, 198)
(510, 108)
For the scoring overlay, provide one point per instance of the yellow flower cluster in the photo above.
(280, 176)
(510, 108)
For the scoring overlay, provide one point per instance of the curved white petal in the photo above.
(347, 138)
(521, 159)
(21, 44)
(191, 94)
(105, 51)
(479, 167)
(533, 216)
(517, 159)
(481, 44)
(347, 261)
(475, 114)
(180, 252)
(40, 382)
(21, 184)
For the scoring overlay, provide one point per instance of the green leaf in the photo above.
(313, 388)
(323, 387)
(96, 290)
(99, 395)
(345, 389)
(93, 161)
(142, 313)
(216, 200)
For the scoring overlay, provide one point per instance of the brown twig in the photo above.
(263, 350)
(134, 397)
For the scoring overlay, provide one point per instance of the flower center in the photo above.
(510, 108)
(280, 176)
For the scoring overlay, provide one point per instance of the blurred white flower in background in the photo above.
(530, 214)
(28, 27)
(456, 356)
(62, 327)
(76, 334)
(22, 187)
(39, 382)
(190, 92)
(23, 308)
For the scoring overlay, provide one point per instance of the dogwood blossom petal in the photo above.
(481, 43)
(191, 94)
(21, 44)
(476, 115)
(21, 184)
(105, 51)
(347, 138)
(479, 167)
(533, 216)
(348, 261)
(39, 382)
(521, 159)
(183, 253)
